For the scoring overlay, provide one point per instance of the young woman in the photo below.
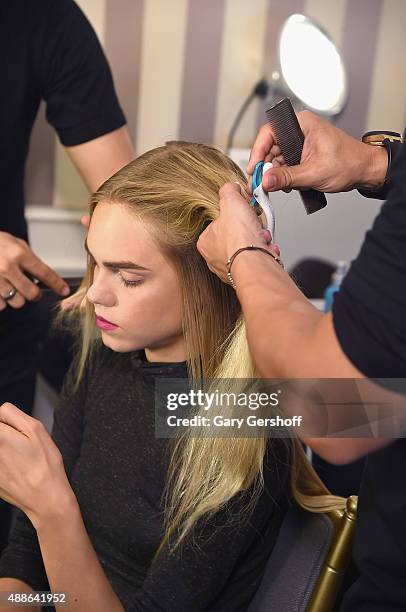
(130, 521)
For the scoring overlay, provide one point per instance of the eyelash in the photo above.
(125, 282)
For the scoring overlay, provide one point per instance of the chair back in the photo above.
(307, 566)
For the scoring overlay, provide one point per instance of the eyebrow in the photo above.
(114, 265)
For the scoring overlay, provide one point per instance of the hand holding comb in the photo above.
(290, 139)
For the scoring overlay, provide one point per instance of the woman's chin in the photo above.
(118, 345)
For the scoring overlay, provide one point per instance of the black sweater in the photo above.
(117, 468)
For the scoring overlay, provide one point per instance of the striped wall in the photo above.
(183, 67)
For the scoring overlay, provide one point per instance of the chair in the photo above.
(307, 566)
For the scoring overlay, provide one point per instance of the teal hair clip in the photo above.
(257, 180)
(259, 196)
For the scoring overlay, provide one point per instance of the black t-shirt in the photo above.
(117, 468)
(49, 52)
(369, 315)
(369, 312)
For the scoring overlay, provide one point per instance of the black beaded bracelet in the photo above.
(250, 247)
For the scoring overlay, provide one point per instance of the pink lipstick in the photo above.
(104, 324)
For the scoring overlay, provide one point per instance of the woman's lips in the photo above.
(104, 324)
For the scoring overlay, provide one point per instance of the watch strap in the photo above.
(392, 142)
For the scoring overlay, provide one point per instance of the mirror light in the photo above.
(311, 65)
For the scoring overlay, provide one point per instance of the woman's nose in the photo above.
(100, 292)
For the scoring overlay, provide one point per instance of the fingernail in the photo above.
(66, 290)
(271, 181)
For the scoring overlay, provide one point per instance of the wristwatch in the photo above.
(392, 142)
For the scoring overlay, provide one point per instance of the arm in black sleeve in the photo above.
(220, 566)
(369, 311)
(22, 558)
(76, 79)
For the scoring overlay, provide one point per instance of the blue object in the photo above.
(329, 296)
(336, 280)
(257, 179)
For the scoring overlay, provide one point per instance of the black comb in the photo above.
(290, 139)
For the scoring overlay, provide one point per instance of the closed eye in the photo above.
(124, 281)
(128, 283)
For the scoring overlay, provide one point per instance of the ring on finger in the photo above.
(10, 295)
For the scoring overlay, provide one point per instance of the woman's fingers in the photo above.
(15, 418)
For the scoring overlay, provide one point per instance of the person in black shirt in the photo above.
(364, 336)
(161, 313)
(49, 52)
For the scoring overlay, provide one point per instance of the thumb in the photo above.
(287, 177)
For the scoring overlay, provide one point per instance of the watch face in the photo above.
(378, 136)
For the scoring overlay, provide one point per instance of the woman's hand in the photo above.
(32, 474)
(237, 226)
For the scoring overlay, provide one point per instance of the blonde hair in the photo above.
(175, 189)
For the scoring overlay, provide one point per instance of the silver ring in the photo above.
(12, 293)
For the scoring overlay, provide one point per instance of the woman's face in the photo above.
(135, 291)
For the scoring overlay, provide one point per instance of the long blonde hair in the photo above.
(175, 188)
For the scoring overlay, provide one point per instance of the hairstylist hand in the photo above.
(331, 160)
(16, 259)
(32, 475)
(236, 227)
(75, 301)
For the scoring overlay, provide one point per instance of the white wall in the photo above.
(57, 237)
(334, 233)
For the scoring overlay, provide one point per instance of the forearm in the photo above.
(71, 562)
(98, 159)
(288, 337)
(341, 451)
(13, 585)
(277, 315)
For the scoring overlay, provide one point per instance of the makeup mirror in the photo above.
(310, 68)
